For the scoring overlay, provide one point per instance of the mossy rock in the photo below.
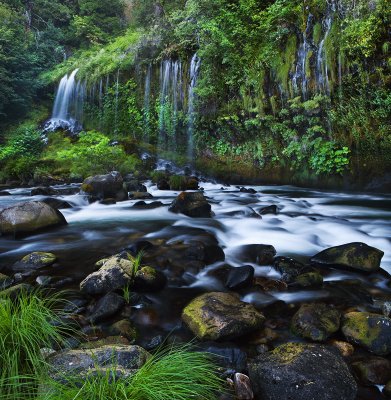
(14, 291)
(148, 279)
(371, 331)
(124, 328)
(218, 315)
(316, 321)
(358, 256)
(309, 279)
(297, 371)
(34, 261)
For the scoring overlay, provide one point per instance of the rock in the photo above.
(58, 204)
(43, 280)
(14, 291)
(243, 388)
(289, 268)
(268, 210)
(140, 196)
(5, 281)
(309, 279)
(269, 285)
(148, 279)
(316, 321)
(345, 348)
(81, 361)
(135, 186)
(261, 254)
(34, 261)
(297, 371)
(105, 186)
(107, 341)
(28, 218)
(106, 307)
(240, 277)
(217, 315)
(373, 371)
(247, 190)
(115, 273)
(163, 184)
(5, 193)
(358, 256)
(192, 204)
(142, 205)
(387, 390)
(108, 202)
(124, 328)
(371, 331)
(43, 191)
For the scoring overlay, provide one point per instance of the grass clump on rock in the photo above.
(177, 373)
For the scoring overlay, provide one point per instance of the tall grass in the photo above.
(173, 374)
(27, 324)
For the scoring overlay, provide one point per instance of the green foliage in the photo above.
(328, 158)
(28, 323)
(176, 373)
(178, 182)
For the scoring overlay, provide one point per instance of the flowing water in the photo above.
(308, 222)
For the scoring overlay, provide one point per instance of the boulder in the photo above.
(115, 273)
(358, 256)
(316, 321)
(105, 186)
(34, 261)
(218, 315)
(28, 218)
(106, 307)
(261, 254)
(43, 191)
(297, 371)
(373, 371)
(309, 279)
(58, 204)
(371, 331)
(192, 204)
(118, 357)
(240, 277)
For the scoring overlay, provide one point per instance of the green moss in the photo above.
(285, 62)
(287, 353)
(356, 325)
(317, 33)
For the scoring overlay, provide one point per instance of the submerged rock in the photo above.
(240, 277)
(371, 331)
(297, 371)
(27, 218)
(218, 315)
(316, 321)
(273, 209)
(355, 255)
(34, 261)
(192, 204)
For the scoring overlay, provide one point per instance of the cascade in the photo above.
(322, 68)
(194, 71)
(147, 95)
(68, 105)
(300, 79)
(116, 104)
(165, 79)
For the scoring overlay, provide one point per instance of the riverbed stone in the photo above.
(243, 389)
(273, 209)
(261, 254)
(240, 277)
(107, 306)
(387, 390)
(192, 204)
(309, 279)
(30, 217)
(125, 328)
(373, 370)
(34, 261)
(218, 315)
(356, 255)
(105, 186)
(115, 273)
(81, 361)
(297, 371)
(289, 268)
(43, 191)
(316, 321)
(58, 204)
(148, 279)
(371, 331)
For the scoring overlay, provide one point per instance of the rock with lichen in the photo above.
(34, 261)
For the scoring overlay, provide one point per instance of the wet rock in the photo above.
(247, 190)
(140, 196)
(142, 205)
(371, 331)
(345, 348)
(58, 204)
(135, 186)
(124, 328)
(316, 321)
(139, 245)
(43, 280)
(217, 315)
(14, 291)
(5, 193)
(81, 361)
(386, 309)
(261, 254)
(243, 388)
(163, 184)
(148, 279)
(373, 371)
(269, 285)
(34, 261)
(115, 273)
(192, 204)
(28, 218)
(240, 277)
(155, 342)
(105, 186)
(5, 281)
(387, 390)
(106, 307)
(107, 341)
(309, 279)
(289, 268)
(301, 372)
(358, 256)
(44, 191)
(269, 210)
(108, 202)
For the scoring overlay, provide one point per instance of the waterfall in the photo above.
(147, 95)
(68, 105)
(300, 75)
(165, 79)
(322, 68)
(194, 71)
(116, 104)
